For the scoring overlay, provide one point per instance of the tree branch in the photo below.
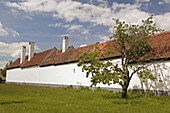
(139, 68)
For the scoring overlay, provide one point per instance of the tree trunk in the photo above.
(124, 92)
(125, 87)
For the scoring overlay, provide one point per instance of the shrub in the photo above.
(84, 88)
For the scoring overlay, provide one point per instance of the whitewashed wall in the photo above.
(67, 74)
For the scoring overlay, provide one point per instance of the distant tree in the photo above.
(5, 68)
(131, 41)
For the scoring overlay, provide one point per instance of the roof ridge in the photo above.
(65, 53)
(86, 45)
(159, 34)
(52, 51)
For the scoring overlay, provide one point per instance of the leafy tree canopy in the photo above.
(132, 42)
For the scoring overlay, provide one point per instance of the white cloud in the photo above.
(163, 21)
(3, 32)
(101, 15)
(103, 3)
(12, 32)
(14, 12)
(163, 2)
(13, 49)
(55, 25)
(104, 38)
(8, 31)
(83, 45)
(75, 27)
(84, 13)
(128, 6)
(137, 1)
(160, 3)
(167, 1)
(68, 10)
(33, 6)
(85, 31)
(28, 17)
(71, 10)
(70, 27)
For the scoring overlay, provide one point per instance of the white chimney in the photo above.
(31, 50)
(65, 44)
(23, 54)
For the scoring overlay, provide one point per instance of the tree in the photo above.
(5, 68)
(132, 42)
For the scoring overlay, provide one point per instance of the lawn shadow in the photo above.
(12, 102)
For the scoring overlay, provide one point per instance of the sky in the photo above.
(85, 22)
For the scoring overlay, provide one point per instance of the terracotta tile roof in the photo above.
(160, 44)
(110, 45)
(75, 53)
(51, 60)
(38, 57)
(16, 63)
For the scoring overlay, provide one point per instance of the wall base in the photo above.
(137, 91)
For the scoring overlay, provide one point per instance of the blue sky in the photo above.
(84, 21)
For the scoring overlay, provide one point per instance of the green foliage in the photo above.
(70, 87)
(132, 42)
(98, 89)
(84, 88)
(5, 68)
(3, 72)
(146, 74)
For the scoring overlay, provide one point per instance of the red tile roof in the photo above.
(38, 57)
(54, 57)
(51, 60)
(16, 63)
(160, 44)
(109, 45)
(75, 53)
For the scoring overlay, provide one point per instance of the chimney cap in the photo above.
(23, 46)
(31, 42)
(65, 37)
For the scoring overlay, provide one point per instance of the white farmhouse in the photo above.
(59, 67)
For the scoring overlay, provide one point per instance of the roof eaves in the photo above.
(12, 67)
(66, 62)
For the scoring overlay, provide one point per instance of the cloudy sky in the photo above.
(84, 21)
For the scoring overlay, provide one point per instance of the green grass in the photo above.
(33, 99)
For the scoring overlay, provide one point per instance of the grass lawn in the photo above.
(34, 99)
